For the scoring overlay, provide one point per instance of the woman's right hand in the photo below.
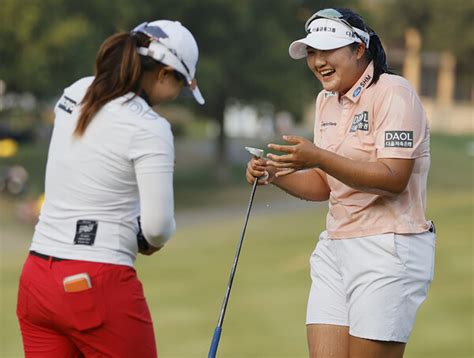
(258, 168)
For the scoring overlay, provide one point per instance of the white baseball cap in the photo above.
(327, 32)
(173, 44)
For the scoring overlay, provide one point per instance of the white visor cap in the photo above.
(173, 45)
(327, 34)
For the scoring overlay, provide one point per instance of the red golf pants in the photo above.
(111, 319)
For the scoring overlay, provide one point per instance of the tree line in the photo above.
(47, 44)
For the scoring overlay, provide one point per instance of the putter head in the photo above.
(259, 153)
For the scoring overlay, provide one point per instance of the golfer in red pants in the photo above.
(108, 197)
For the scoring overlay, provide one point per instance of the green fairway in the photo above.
(186, 281)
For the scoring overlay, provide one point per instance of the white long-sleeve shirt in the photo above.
(98, 185)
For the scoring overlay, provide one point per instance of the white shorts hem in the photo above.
(378, 337)
(333, 323)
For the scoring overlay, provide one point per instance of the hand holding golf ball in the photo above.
(300, 154)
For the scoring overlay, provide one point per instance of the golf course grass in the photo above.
(185, 282)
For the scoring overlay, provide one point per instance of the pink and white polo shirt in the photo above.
(385, 120)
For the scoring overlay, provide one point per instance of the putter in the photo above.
(217, 332)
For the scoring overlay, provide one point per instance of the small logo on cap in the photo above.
(323, 29)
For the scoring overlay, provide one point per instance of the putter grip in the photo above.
(215, 342)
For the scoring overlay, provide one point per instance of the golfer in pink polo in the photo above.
(373, 264)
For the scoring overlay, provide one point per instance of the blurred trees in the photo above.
(244, 46)
(47, 44)
(445, 26)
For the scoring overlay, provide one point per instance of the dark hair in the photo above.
(118, 70)
(375, 52)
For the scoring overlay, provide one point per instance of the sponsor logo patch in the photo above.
(86, 231)
(67, 104)
(327, 124)
(329, 94)
(357, 91)
(360, 122)
(399, 139)
(362, 85)
(365, 80)
(143, 111)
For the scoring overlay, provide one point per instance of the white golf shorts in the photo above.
(374, 285)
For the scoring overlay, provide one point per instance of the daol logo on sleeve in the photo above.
(399, 139)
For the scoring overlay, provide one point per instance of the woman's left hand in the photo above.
(301, 154)
(150, 250)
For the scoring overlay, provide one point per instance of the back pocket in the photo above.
(85, 309)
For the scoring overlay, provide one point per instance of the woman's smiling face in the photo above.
(337, 69)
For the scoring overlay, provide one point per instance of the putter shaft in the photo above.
(218, 330)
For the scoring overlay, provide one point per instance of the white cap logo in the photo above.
(172, 44)
(327, 34)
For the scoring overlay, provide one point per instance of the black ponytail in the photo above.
(375, 52)
(119, 69)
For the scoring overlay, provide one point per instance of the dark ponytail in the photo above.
(118, 70)
(376, 52)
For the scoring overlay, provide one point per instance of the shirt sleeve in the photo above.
(152, 153)
(401, 125)
(156, 207)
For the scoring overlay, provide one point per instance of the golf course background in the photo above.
(185, 282)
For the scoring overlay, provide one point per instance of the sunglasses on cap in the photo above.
(156, 33)
(333, 14)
